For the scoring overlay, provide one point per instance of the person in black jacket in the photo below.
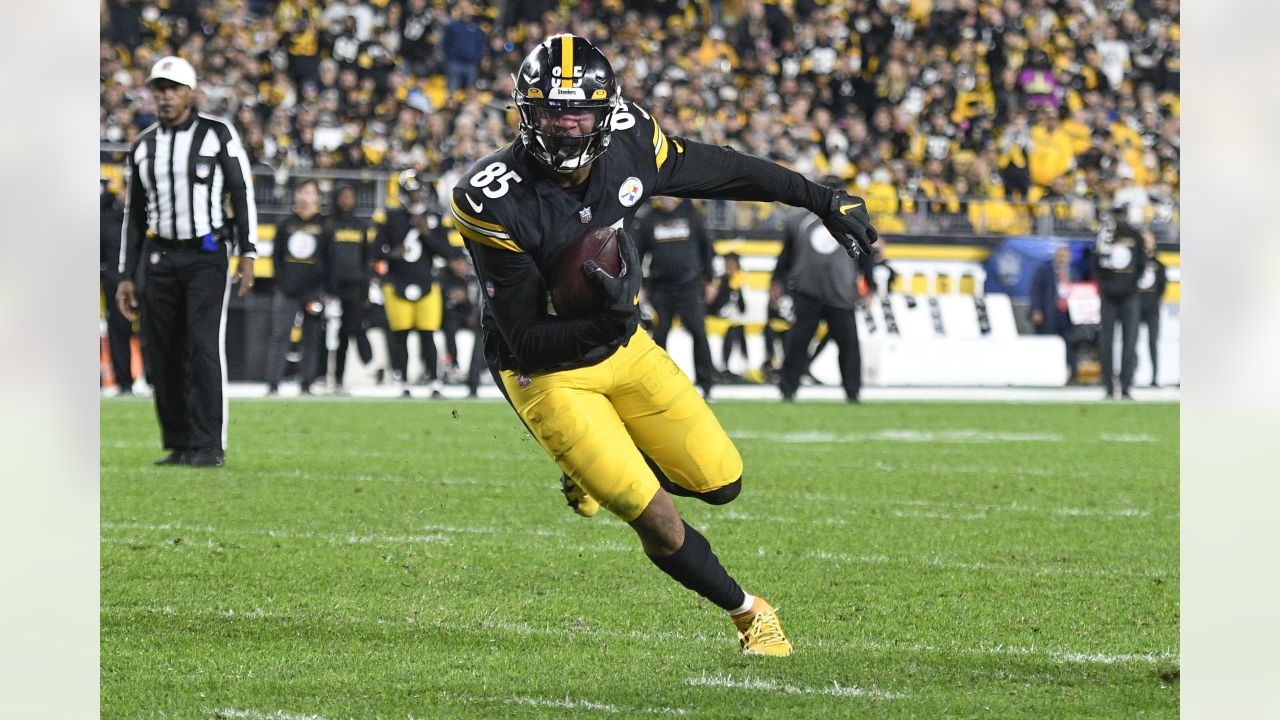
(301, 244)
(820, 289)
(1118, 262)
(1151, 286)
(119, 329)
(350, 270)
(730, 304)
(1049, 288)
(672, 235)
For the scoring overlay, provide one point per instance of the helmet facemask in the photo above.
(565, 153)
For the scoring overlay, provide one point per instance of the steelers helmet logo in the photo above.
(302, 245)
(630, 192)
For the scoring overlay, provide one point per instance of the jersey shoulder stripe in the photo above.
(647, 130)
(477, 230)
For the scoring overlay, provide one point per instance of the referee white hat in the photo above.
(173, 68)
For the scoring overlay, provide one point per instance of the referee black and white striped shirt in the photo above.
(178, 178)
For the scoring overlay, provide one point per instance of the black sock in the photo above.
(696, 567)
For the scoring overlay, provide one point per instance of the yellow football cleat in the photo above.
(760, 633)
(578, 498)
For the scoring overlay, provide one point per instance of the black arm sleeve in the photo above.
(135, 223)
(537, 339)
(239, 185)
(708, 171)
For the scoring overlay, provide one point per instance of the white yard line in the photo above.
(749, 683)
(259, 714)
(493, 623)
(446, 533)
(571, 704)
(963, 436)
(335, 538)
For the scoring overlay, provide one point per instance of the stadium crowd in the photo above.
(961, 110)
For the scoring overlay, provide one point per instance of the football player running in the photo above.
(625, 425)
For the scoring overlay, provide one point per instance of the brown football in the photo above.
(572, 293)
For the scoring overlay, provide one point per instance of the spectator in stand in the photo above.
(464, 45)
(1117, 66)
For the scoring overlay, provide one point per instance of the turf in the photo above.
(383, 559)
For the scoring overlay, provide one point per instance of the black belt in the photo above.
(184, 243)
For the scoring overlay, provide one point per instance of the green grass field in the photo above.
(390, 559)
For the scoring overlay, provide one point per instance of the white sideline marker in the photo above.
(750, 683)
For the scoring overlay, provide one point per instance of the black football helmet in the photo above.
(413, 193)
(565, 73)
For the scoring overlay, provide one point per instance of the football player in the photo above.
(625, 425)
(410, 240)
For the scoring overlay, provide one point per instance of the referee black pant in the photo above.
(841, 325)
(686, 301)
(184, 312)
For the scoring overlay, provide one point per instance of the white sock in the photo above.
(747, 602)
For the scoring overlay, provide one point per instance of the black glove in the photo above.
(850, 224)
(623, 291)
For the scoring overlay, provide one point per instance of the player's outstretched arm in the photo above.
(708, 171)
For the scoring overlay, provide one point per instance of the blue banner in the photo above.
(1013, 263)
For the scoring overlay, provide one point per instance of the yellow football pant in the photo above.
(424, 313)
(595, 421)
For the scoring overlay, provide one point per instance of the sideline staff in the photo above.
(180, 170)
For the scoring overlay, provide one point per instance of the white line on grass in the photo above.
(891, 435)
(750, 683)
(335, 538)
(496, 624)
(259, 714)
(445, 533)
(570, 704)
(956, 436)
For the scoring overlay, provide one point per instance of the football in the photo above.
(573, 294)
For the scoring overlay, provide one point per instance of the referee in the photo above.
(180, 172)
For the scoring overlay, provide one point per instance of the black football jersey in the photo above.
(410, 246)
(515, 221)
(299, 255)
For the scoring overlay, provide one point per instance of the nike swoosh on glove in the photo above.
(850, 224)
(623, 290)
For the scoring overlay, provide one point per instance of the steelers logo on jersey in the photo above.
(302, 245)
(630, 192)
(822, 241)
